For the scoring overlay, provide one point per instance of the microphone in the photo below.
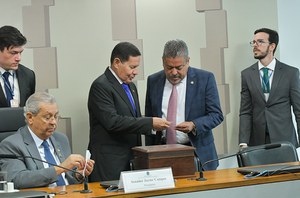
(85, 179)
(246, 150)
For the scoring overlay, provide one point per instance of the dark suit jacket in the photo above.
(202, 106)
(256, 113)
(26, 80)
(114, 127)
(27, 172)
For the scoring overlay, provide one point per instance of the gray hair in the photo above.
(175, 48)
(33, 102)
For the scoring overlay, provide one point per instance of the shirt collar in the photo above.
(3, 70)
(271, 66)
(36, 139)
(182, 82)
(115, 75)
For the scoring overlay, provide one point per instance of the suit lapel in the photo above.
(190, 91)
(118, 87)
(58, 149)
(255, 78)
(3, 102)
(31, 147)
(276, 78)
(158, 93)
(135, 99)
(22, 87)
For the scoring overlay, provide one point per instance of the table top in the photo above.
(217, 179)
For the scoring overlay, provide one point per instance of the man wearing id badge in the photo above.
(17, 81)
(269, 89)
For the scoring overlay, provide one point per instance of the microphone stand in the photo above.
(201, 177)
(85, 186)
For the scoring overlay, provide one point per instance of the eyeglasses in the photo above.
(49, 118)
(258, 43)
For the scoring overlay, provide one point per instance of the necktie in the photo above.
(49, 157)
(265, 80)
(7, 87)
(171, 117)
(127, 90)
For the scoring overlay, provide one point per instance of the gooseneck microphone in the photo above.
(200, 166)
(201, 177)
(85, 180)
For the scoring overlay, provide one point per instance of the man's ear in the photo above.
(116, 63)
(272, 45)
(29, 118)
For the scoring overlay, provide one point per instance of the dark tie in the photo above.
(127, 90)
(266, 80)
(49, 158)
(171, 117)
(7, 87)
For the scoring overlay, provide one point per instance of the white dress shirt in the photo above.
(182, 138)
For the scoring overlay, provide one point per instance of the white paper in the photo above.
(87, 158)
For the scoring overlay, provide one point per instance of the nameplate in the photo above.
(146, 180)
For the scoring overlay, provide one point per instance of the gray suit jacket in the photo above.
(256, 114)
(26, 80)
(27, 172)
(114, 127)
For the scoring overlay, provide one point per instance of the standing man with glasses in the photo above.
(38, 139)
(188, 98)
(269, 89)
(17, 81)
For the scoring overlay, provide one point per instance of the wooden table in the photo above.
(218, 179)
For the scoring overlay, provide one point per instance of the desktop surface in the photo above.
(218, 179)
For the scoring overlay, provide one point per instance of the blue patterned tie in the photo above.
(265, 80)
(49, 157)
(7, 86)
(127, 90)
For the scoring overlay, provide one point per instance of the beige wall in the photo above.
(81, 32)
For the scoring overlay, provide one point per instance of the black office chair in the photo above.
(278, 152)
(11, 119)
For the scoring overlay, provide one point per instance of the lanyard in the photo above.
(262, 78)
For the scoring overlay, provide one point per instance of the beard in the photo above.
(262, 55)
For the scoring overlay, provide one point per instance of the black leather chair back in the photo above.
(278, 152)
(11, 119)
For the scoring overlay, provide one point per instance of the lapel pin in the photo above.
(192, 82)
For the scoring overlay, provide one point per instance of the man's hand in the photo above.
(89, 168)
(185, 127)
(160, 124)
(74, 160)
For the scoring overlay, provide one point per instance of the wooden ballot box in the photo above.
(179, 157)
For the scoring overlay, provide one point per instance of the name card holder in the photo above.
(146, 180)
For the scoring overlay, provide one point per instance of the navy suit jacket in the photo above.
(27, 172)
(26, 80)
(202, 106)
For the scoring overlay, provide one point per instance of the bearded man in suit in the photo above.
(269, 89)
